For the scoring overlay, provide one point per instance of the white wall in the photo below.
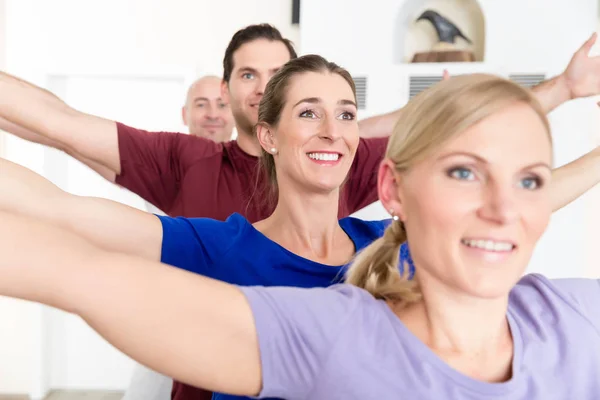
(107, 57)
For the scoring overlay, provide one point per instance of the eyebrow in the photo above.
(484, 161)
(316, 100)
(204, 99)
(247, 69)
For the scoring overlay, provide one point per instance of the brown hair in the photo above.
(428, 121)
(250, 34)
(274, 98)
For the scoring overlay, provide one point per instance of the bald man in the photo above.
(205, 113)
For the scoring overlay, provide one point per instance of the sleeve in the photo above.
(153, 164)
(296, 329)
(585, 293)
(361, 187)
(195, 244)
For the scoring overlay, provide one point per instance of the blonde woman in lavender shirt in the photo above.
(466, 179)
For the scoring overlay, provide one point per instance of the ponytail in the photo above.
(376, 269)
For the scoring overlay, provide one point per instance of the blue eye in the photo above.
(461, 173)
(531, 183)
(248, 75)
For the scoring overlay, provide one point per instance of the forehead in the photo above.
(261, 54)
(210, 88)
(330, 87)
(514, 135)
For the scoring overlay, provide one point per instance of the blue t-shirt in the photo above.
(234, 251)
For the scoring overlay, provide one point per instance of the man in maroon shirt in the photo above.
(195, 177)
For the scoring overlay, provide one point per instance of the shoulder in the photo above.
(232, 226)
(536, 284)
(340, 299)
(364, 231)
(536, 294)
(378, 144)
(191, 242)
(207, 232)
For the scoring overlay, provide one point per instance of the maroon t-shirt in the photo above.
(188, 176)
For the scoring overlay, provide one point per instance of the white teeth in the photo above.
(324, 156)
(489, 245)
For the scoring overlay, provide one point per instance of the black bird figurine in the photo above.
(445, 29)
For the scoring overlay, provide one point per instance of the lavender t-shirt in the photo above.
(341, 343)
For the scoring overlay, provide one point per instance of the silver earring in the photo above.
(394, 216)
(273, 150)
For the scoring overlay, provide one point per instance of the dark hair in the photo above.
(274, 98)
(249, 34)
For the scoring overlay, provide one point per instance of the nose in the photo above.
(261, 84)
(328, 129)
(500, 205)
(211, 113)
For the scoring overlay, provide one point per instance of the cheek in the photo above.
(537, 218)
(441, 207)
(353, 140)
(197, 115)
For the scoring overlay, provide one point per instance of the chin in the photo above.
(492, 286)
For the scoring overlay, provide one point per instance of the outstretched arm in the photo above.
(575, 178)
(108, 224)
(38, 115)
(194, 329)
(31, 136)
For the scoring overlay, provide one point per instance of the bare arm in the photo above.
(107, 224)
(580, 79)
(574, 179)
(30, 136)
(37, 110)
(194, 329)
(552, 93)
(379, 125)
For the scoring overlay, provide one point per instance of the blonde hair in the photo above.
(428, 121)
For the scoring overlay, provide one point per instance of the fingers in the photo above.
(587, 46)
(445, 75)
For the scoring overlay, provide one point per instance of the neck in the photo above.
(305, 224)
(470, 334)
(248, 143)
(459, 323)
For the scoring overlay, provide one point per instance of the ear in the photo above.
(225, 92)
(388, 188)
(265, 138)
(184, 115)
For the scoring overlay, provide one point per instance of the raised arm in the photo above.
(575, 178)
(194, 329)
(580, 79)
(37, 110)
(378, 125)
(108, 224)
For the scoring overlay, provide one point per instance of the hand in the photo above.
(445, 75)
(582, 75)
